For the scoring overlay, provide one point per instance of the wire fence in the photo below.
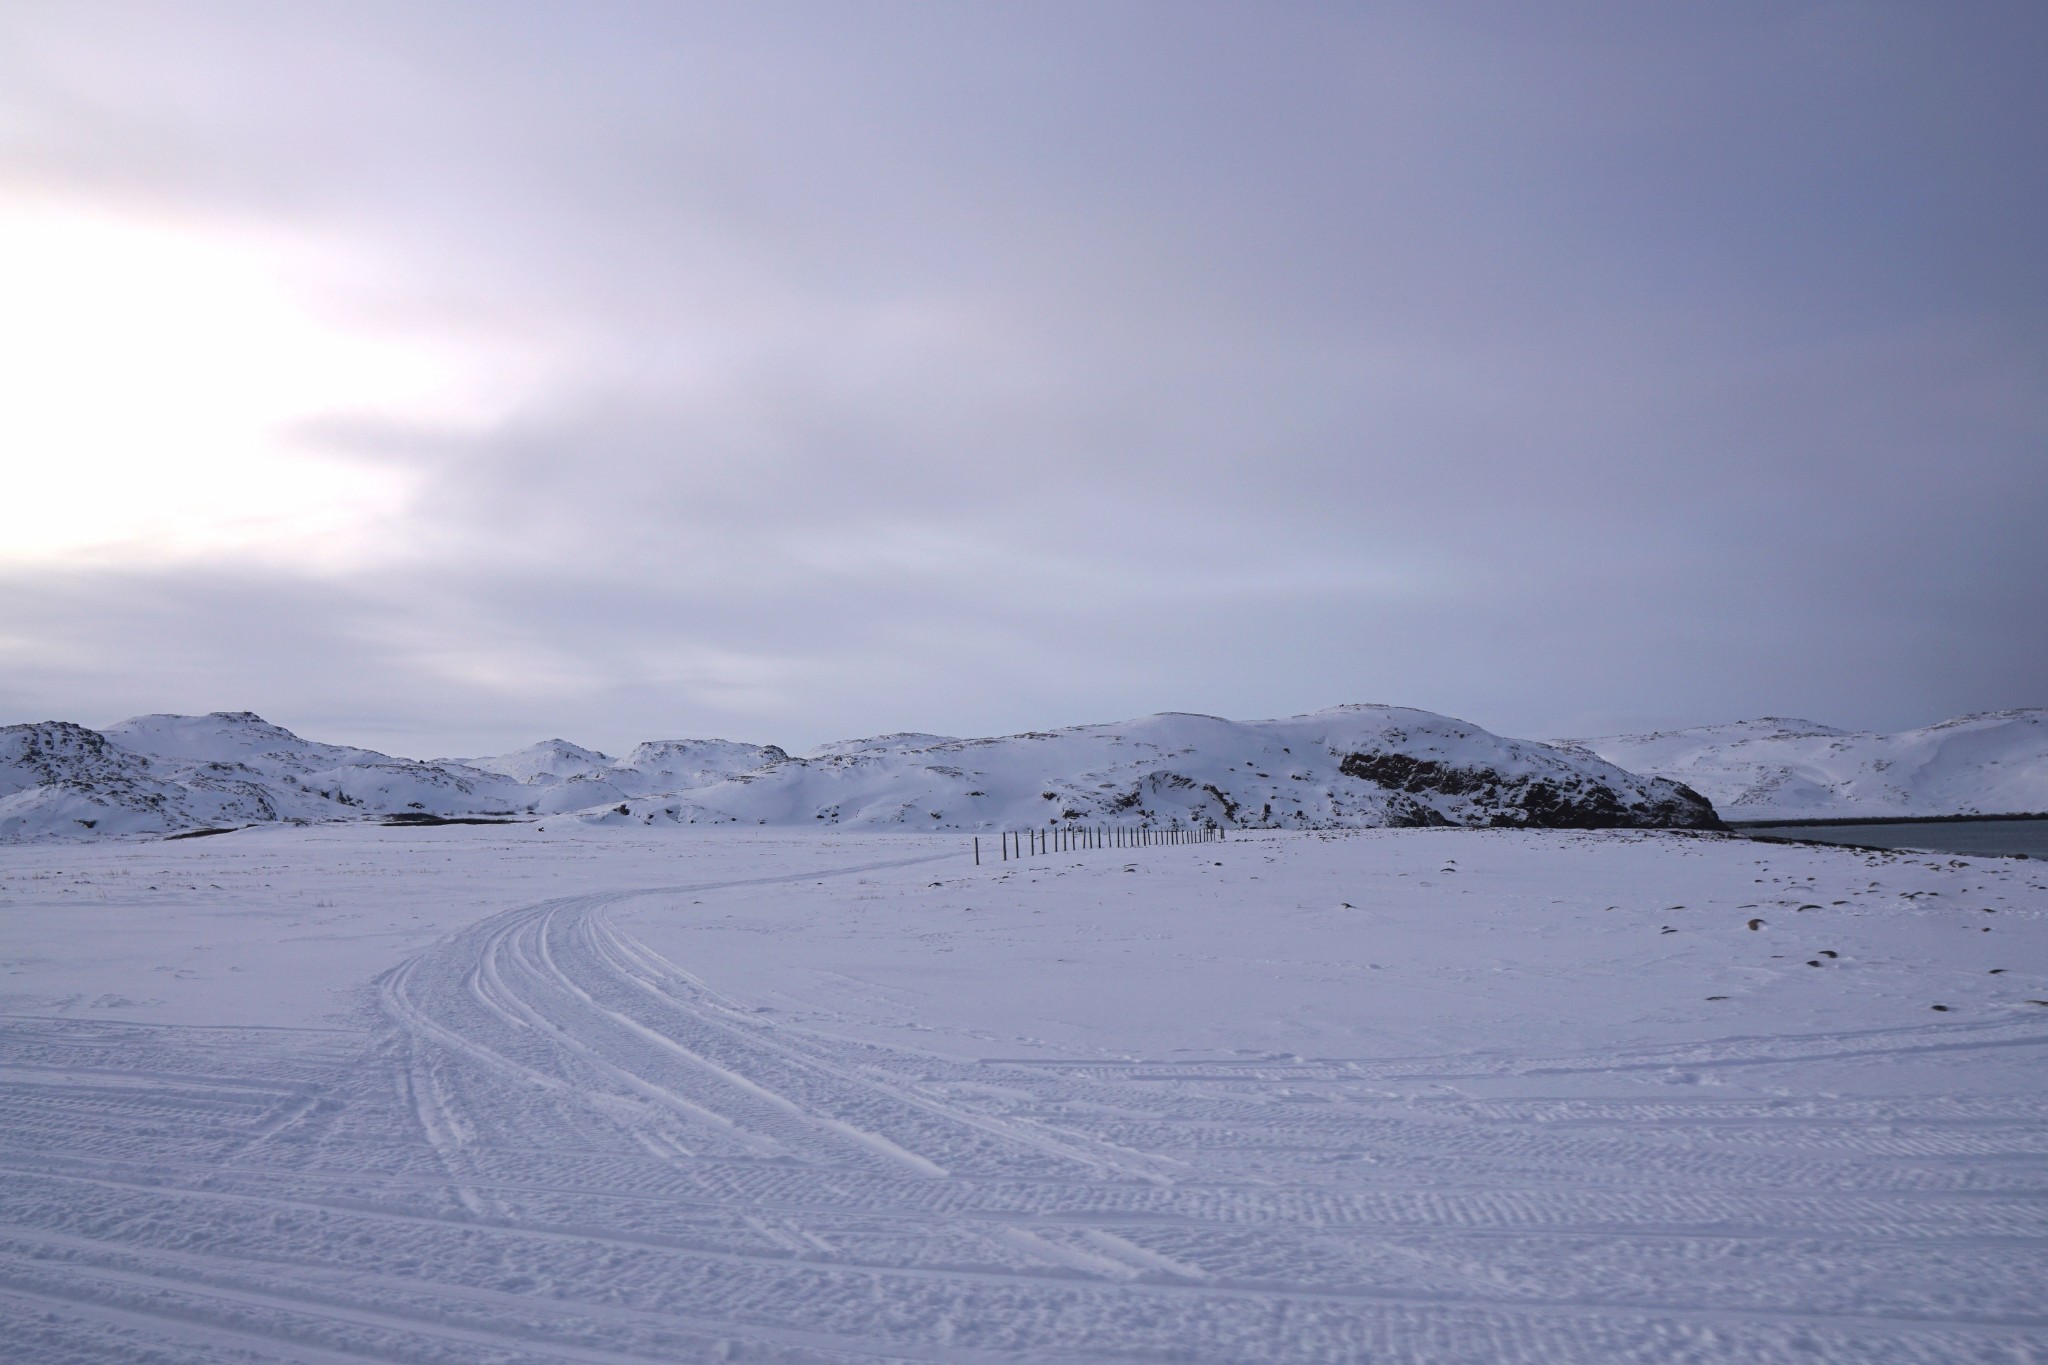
(1015, 845)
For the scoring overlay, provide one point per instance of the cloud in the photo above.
(795, 371)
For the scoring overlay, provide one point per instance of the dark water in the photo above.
(1948, 836)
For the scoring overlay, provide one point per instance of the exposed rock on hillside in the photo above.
(1567, 800)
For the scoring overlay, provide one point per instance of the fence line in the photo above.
(1032, 842)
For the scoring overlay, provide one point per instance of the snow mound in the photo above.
(1991, 763)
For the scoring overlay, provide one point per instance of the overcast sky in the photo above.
(446, 376)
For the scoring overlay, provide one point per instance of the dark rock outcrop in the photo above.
(1565, 800)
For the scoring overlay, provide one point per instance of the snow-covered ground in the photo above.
(606, 1094)
(1994, 763)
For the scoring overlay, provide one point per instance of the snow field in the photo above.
(500, 1094)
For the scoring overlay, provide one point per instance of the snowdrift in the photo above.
(1992, 763)
(1348, 767)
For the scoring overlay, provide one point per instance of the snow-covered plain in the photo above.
(563, 1092)
(1992, 763)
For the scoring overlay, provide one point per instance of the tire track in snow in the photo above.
(567, 1147)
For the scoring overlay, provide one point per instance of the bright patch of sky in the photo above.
(158, 374)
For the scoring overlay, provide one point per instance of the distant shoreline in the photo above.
(1881, 820)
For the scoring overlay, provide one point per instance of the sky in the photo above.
(445, 376)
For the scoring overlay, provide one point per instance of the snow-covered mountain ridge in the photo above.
(1991, 763)
(1350, 766)
(156, 774)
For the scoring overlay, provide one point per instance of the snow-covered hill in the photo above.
(167, 773)
(305, 779)
(570, 777)
(59, 778)
(550, 761)
(1351, 766)
(1995, 762)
